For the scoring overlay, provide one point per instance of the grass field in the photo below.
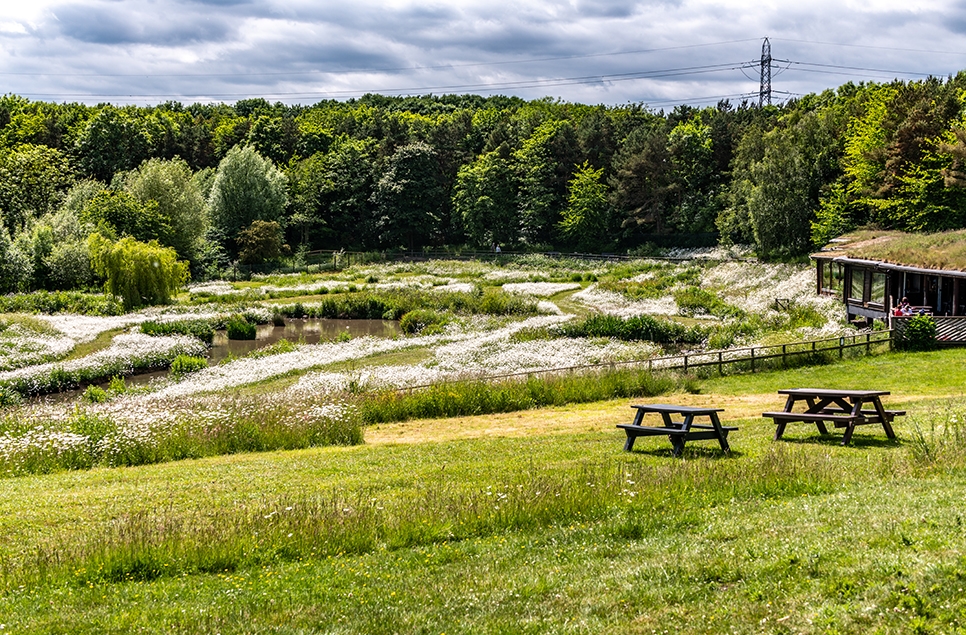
(525, 522)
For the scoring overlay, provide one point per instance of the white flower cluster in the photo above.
(127, 350)
(456, 287)
(481, 354)
(85, 328)
(20, 346)
(613, 303)
(709, 253)
(540, 289)
(514, 274)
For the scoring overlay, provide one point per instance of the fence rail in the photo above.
(756, 357)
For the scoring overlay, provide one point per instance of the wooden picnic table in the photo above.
(677, 431)
(841, 408)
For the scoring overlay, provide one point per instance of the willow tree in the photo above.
(138, 273)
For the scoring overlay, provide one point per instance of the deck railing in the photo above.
(950, 330)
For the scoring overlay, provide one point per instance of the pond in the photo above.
(297, 331)
(307, 331)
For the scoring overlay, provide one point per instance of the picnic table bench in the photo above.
(678, 432)
(842, 408)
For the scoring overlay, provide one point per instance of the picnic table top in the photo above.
(828, 392)
(674, 409)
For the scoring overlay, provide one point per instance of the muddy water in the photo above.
(309, 331)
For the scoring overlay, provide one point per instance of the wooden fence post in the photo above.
(752, 359)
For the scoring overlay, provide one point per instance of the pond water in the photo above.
(307, 331)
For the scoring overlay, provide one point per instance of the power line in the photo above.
(856, 68)
(541, 83)
(383, 70)
(868, 46)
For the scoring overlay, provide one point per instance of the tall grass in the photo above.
(86, 439)
(638, 327)
(939, 434)
(392, 305)
(630, 499)
(50, 302)
(463, 398)
(204, 330)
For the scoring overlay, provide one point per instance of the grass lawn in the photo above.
(526, 522)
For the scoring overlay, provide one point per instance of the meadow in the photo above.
(306, 488)
(532, 521)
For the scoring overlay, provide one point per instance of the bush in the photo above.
(421, 321)
(477, 397)
(920, 333)
(50, 302)
(638, 327)
(9, 397)
(184, 364)
(95, 394)
(239, 328)
(696, 301)
(202, 329)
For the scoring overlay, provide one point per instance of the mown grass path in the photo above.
(796, 536)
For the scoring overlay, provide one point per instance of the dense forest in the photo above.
(87, 188)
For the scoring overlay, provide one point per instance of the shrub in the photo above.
(117, 385)
(421, 320)
(9, 397)
(239, 328)
(638, 327)
(695, 301)
(94, 394)
(281, 346)
(184, 364)
(920, 333)
(478, 397)
(202, 329)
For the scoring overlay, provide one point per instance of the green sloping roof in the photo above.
(943, 251)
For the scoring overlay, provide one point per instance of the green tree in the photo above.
(692, 157)
(545, 162)
(16, 268)
(333, 192)
(120, 213)
(485, 201)
(247, 187)
(112, 141)
(586, 221)
(169, 184)
(641, 185)
(799, 158)
(33, 181)
(409, 197)
(260, 242)
(138, 273)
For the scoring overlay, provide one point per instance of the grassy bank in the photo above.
(529, 522)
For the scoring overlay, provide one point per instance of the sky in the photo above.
(660, 53)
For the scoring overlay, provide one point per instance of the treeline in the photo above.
(255, 181)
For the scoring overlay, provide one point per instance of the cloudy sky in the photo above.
(659, 52)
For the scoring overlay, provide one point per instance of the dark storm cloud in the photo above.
(243, 48)
(114, 24)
